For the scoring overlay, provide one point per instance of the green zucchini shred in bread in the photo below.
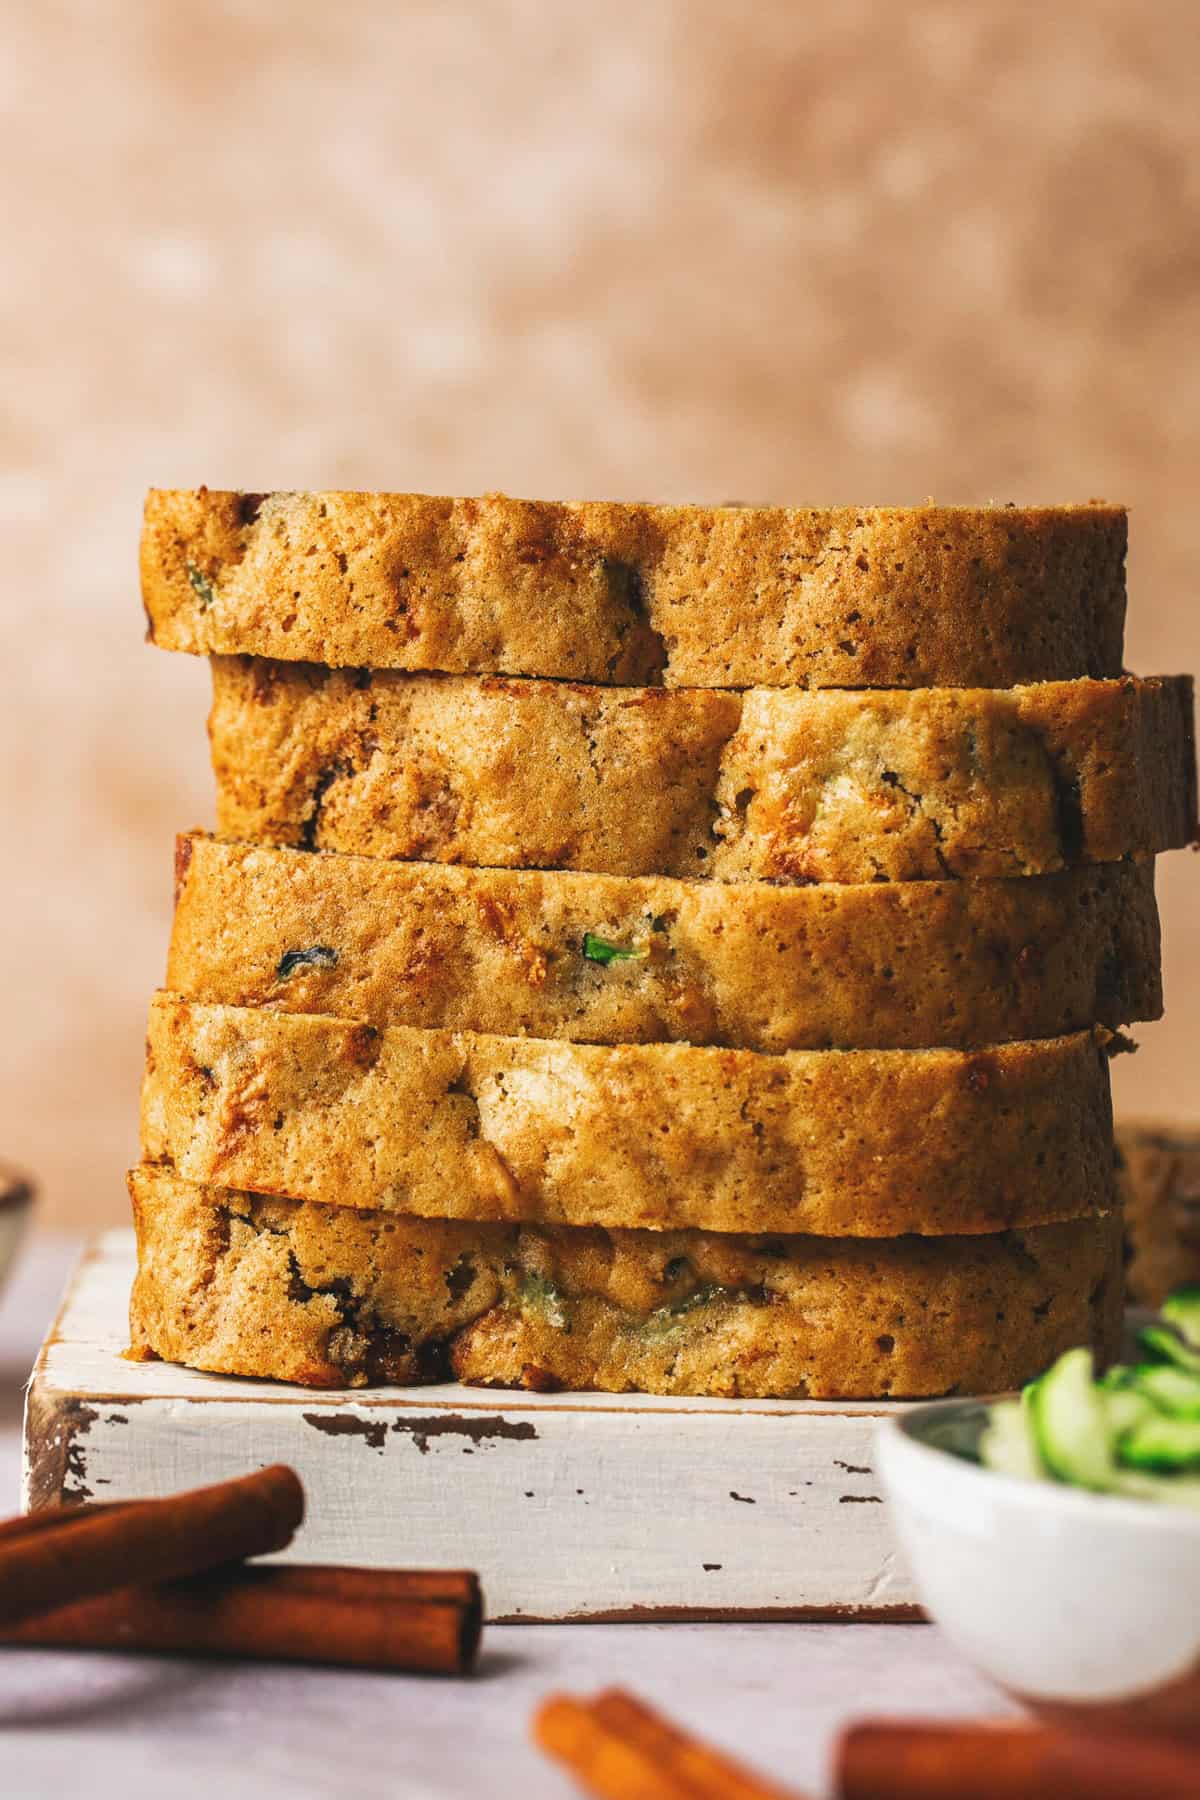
(317, 956)
(881, 965)
(687, 596)
(201, 586)
(1134, 1433)
(599, 950)
(778, 785)
(332, 1297)
(538, 1295)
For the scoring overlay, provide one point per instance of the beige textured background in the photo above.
(852, 252)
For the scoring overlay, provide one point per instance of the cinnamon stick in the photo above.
(418, 1621)
(53, 1518)
(48, 1564)
(617, 1747)
(886, 1761)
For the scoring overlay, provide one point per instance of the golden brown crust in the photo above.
(901, 965)
(687, 595)
(1159, 1178)
(445, 1124)
(330, 1297)
(773, 784)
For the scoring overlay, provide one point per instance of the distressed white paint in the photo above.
(569, 1505)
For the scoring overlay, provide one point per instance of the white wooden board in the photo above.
(582, 1506)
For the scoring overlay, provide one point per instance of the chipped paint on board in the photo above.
(373, 1432)
(58, 1473)
(480, 1431)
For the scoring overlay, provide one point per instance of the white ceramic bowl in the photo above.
(1068, 1599)
(16, 1202)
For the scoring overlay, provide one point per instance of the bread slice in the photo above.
(445, 1124)
(330, 1297)
(774, 784)
(614, 959)
(1159, 1180)
(689, 596)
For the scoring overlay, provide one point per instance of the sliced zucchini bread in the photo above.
(329, 1297)
(462, 1125)
(778, 785)
(689, 596)
(613, 959)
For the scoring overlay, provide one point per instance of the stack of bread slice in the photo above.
(657, 948)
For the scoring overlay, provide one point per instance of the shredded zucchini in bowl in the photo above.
(1134, 1432)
